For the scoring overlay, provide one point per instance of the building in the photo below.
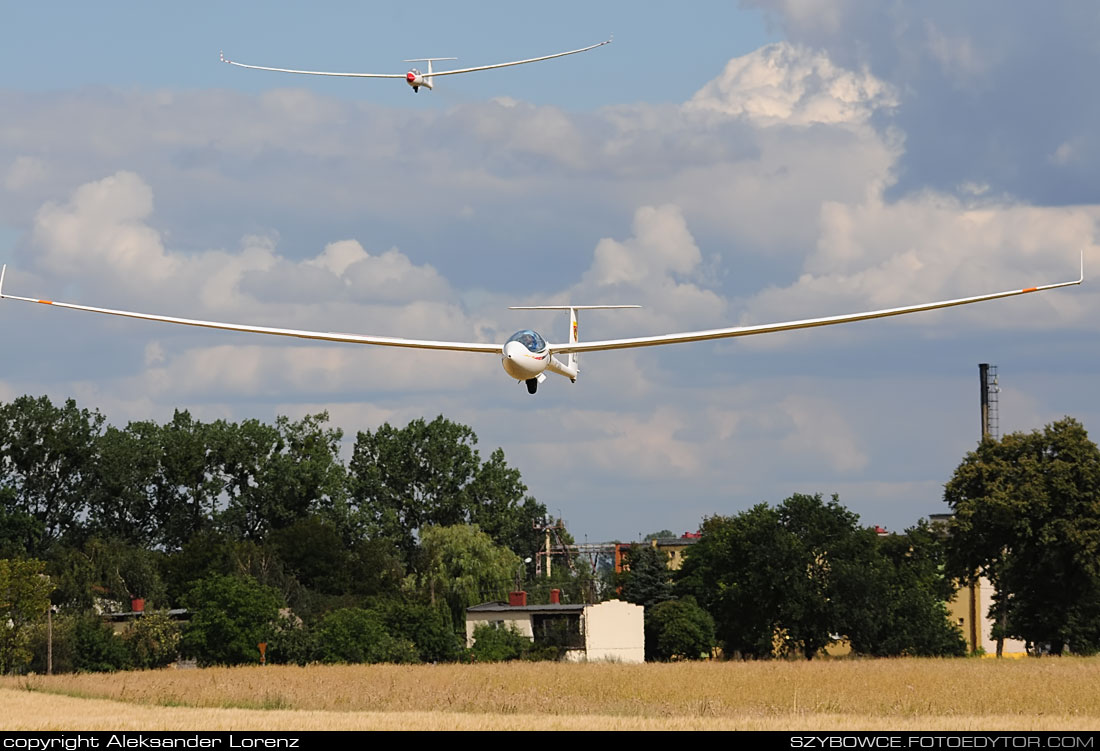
(612, 631)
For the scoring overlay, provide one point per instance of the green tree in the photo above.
(462, 566)
(189, 480)
(736, 572)
(279, 474)
(24, 598)
(893, 603)
(1027, 516)
(647, 580)
(430, 474)
(121, 498)
(678, 629)
(771, 577)
(47, 454)
(230, 616)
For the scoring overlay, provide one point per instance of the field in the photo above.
(907, 694)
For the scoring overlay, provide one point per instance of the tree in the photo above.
(737, 572)
(188, 482)
(678, 629)
(230, 616)
(24, 598)
(1027, 516)
(792, 579)
(430, 474)
(462, 566)
(894, 602)
(121, 497)
(647, 581)
(46, 458)
(278, 474)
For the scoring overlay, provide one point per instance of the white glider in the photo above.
(526, 355)
(414, 77)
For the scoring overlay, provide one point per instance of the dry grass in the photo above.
(1044, 694)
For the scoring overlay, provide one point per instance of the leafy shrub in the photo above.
(357, 635)
(230, 617)
(153, 640)
(96, 647)
(493, 644)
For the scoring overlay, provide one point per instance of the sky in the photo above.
(738, 163)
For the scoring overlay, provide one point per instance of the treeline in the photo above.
(790, 580)
(795, 578)
(260, 530)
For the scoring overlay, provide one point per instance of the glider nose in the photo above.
(519, 363)
(410, 77)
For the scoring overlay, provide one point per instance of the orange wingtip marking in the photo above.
(1031, 289)
(46, 302)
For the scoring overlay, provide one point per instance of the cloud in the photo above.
(980, 101)
(793, 86)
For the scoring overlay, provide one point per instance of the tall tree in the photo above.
(46, 459)
(278, 474)
(647, 580)
(189, 480)
(121, 496)
(1027, 515)
(403, 479)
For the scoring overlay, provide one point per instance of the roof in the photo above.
(503, 607)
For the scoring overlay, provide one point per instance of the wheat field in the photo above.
(903, 694)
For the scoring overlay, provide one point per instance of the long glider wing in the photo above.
(224, 59)
(593, 346)
(382, 341)
(809, 323)
(516, 62)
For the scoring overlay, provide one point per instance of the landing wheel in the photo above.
(532, 385)
(416, 89)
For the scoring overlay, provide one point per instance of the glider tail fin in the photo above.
(571, 357)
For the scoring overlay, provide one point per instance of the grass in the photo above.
(915, 694)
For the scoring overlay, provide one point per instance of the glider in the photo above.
(414, 77)
(527, 355)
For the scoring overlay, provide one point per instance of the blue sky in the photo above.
(748, 162)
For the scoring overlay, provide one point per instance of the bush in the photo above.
(230, 616)
(493, 644)
(357, 635)
(427, 627)
(96, 647)
(153, 640)
(678, 629)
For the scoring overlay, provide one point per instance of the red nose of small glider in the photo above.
(410, 76)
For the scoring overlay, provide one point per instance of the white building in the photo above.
(612, 630)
